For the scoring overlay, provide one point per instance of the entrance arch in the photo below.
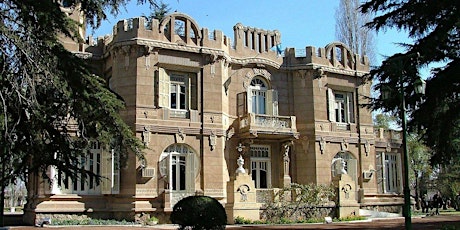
(179, 167)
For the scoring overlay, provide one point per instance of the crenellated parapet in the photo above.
(255, 39)
(335, 55)
(177, 29)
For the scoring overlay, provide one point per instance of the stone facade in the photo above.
(198, 100)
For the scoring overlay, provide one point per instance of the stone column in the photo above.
(241, 194)
(286, 166)
(347, 204)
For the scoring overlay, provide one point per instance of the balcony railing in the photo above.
(267, 124)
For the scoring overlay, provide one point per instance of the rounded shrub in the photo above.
(199, 212)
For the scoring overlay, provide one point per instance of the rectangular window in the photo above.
(260, 166)
(340, 106)
(179, 92)
(84, 185)
(176, 91)
(389, 172)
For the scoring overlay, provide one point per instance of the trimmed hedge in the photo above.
(199, 213)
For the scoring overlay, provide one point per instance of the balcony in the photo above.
(267, 126)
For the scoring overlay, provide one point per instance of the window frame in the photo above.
(257, 160)
(179, 80)
(389, 172)
(347, 101)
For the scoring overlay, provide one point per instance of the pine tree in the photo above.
(51, 105)
(434, 28)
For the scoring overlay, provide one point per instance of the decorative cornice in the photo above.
(83, 55)
(196, 49)
(325, 69)
(182, 130)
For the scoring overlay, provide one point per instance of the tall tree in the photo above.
(419, 156)
(51, 105)
(383, 120)
(434, 28)
(351, 30)
(160, 10)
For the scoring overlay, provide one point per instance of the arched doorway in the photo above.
(179, 166)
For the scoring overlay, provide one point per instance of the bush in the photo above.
(199, 212)
(299, 202)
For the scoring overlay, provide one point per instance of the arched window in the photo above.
(257, 94)
(178, 169)
(344, 163)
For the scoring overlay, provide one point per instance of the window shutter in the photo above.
(163, 88)
(250, 106)
(272, 102)
(331, 104)
(106, 167)
(110, 172)
(275, 103)
(269, 102)
(399, 176)
(241, 100)
(190, 172)
(384, 173)
(351, 108)
(115, 172)
(379, 172)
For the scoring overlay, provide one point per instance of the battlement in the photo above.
(335, 54)
(176, 28)
(180, 29)
(255, 39)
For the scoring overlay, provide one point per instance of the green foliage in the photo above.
(349, 218)
(383, 120)
(448, 181)
(52, 105)
(420, 168)
(299, 202)
(242, 220)
(159, 11)
(199, 212)
(89, 221)
(433, 26)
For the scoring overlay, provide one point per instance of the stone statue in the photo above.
(240, 163)
(342, 166)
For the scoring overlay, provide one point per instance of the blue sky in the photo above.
(301, 22)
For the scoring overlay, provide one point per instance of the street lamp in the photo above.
(419, 87)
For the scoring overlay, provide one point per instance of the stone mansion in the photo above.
(199, 99)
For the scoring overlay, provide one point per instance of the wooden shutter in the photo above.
(250, 107)
(190, 172)
(115, 172)
(163, 88)
(106, 168)
(351, 108)
(272, 102)
(110, 172)
(241, 100)
(384, 173)
(379, 170)
(331, 104)
(399, 177)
